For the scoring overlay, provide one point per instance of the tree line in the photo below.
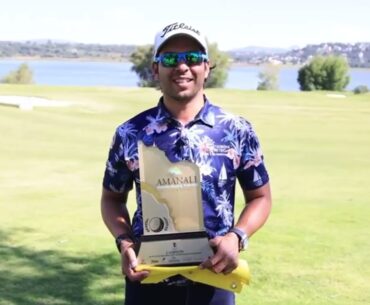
(320, 73)
(51, 49)
(358, 54)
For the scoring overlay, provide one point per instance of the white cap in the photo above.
(178, 28)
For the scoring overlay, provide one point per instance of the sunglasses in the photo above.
(172, 59)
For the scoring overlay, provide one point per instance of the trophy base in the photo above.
(190, 248)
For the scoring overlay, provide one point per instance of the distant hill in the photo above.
(46, 41)
(60, 49)
(358, 54)
(257, 50)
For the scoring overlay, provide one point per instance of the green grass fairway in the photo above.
(315, 248)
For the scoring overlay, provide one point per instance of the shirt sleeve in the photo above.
(117, 177)
(252, 172)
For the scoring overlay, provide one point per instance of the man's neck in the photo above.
(184, 111)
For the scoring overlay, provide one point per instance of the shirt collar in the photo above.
(205, 115)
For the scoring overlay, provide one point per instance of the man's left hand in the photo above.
(226, 255)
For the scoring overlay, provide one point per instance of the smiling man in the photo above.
(185, 125)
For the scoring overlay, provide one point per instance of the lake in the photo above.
(92, 73)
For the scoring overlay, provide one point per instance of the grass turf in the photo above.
(54, 248)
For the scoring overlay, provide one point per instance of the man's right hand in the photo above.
(129, 262)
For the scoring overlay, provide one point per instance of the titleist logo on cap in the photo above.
(176, 26)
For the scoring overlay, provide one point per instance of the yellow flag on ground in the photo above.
(233, 281)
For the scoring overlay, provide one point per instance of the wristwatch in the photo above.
(242, 236)
(120, 238)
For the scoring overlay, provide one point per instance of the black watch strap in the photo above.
(242, 237)
(121, 238)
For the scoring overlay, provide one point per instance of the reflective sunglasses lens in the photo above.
(169, 60)
(193, 58)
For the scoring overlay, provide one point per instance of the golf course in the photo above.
(55, 249)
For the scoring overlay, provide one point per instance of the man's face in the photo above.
(182, 83)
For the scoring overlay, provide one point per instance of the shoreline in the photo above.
(126, 60)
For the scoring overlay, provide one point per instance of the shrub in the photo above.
(324, 73)
(361, 89)
(23, 75)
(268, 78)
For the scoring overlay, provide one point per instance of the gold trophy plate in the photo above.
(172, 210)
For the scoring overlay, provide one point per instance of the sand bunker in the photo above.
(29, 102)
(333, 95)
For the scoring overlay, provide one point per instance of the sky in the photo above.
(231, 24)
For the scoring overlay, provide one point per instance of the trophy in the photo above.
(172, 210)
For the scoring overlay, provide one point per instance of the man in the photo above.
(186, 126)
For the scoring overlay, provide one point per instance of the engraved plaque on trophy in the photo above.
(172, 210)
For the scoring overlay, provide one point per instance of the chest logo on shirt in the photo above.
(220, 149)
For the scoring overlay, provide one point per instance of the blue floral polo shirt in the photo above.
(223, 145)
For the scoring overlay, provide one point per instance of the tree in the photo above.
(142, 65)
(23, 75)
(221, 63)
(142, 57)
(269, 78)
(324, 73)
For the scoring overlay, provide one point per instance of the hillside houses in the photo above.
(358, 54)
